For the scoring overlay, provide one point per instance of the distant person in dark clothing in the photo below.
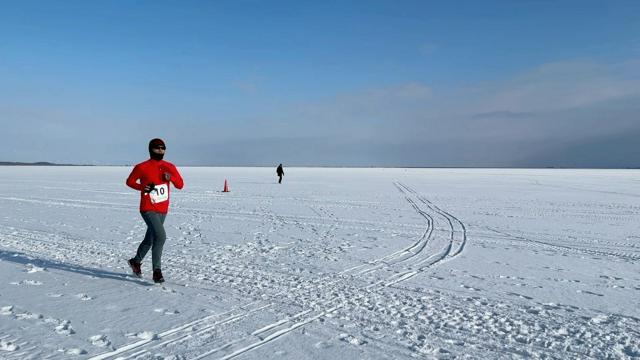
(280, 173)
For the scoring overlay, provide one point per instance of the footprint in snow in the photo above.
(323, 345)
(27, 282)
(6, 310)
(588, 292)
(161, 356)
(65, 328)
(351, 339)
(33, 269)
(469, 287)
(100, 340)
(429, 349)
(8, 346)
(520, 295)
(551, 306)
(168, 290)
(74, 351)
(600, 319)
(611, 277)
(84, 297)
(28, 316)
(144, 335)
(534, 310)
(166, 312)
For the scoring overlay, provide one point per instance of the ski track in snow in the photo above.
(374, 306)
(408, 262)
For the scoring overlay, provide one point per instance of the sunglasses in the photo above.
(160, 147)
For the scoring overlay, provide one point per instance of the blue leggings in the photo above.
(153, 239)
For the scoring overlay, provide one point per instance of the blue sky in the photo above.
(345, 83)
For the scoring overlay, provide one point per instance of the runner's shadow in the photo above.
(21, 258)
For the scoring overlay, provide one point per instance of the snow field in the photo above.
(346, 263)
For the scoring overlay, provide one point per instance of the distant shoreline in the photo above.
(40, 163)
(44, 163)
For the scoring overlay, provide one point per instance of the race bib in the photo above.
(159, 194)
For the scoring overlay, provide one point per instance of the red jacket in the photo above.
(151, 171)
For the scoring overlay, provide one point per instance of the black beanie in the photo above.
(153, 143)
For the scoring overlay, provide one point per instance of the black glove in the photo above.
(149, 188)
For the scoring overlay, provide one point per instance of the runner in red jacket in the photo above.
(153, 178)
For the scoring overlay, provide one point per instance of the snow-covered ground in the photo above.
(331, 264)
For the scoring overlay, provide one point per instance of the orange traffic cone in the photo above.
(226, 188)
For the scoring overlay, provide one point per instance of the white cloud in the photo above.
(555, 86)
(550, 104)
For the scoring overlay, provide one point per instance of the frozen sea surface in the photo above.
(331, 264)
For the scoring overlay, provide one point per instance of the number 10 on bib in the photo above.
(159, 194)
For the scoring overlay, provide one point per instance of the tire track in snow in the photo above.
(226, 320)
(233, 317)
(405, 254)
(450, 218)
(446, 254)
(408, 262)
(189, 212)
(534, 242)
(277, 329)
(424, 264)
